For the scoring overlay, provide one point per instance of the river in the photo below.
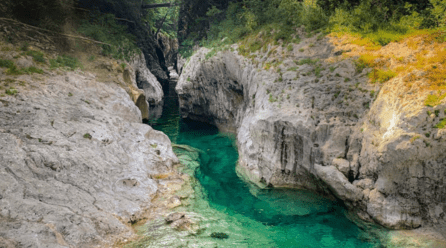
(250, 216)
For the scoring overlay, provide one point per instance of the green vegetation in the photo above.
(11, 91)
(308, 61)
(437, 113)
(434, 100)
(211, 54)
(272, 99)
(293, 68)
(337, 94)
(65, 61)
(381, 76)
(37, 56)
(414, 138)
(13, 70)
(31, 70)
(317, 70)
(103, 27)
(70, 94)
(441, 124)
(87, 136)
(165, 19)
(6, 63)
(25, 47)
(378, 22)
(427, 135)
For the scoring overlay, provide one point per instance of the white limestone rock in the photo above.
(75, 162)
(292, 126)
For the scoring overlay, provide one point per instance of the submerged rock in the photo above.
(174, 217)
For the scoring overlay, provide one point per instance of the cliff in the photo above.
(77, 166)
(315, 122)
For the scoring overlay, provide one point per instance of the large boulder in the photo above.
(75, 162)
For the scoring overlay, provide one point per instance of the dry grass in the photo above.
(161, 176)
(419, 58)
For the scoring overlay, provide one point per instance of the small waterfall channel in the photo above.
(250, 216)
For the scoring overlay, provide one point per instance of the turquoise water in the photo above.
(252, 217)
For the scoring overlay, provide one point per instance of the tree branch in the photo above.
(159, 5)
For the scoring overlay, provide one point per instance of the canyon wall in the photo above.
(320, 125)
(77, 166)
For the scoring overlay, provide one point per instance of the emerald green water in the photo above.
(252, 217)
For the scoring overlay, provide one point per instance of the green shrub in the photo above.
(272, 99)
(65, 61)
(11, 91)
(317, 70)
(434, 100)
(441, 124)
(87, 136)
(103, 28)
(308, 61)
(6, 63)
(13, 70)
(30, 70)
(438, 11)
(37, 56)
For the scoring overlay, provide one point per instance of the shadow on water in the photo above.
(290, 218)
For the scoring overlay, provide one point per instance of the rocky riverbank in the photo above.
(315, 122)
(78, 167)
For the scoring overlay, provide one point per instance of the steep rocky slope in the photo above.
(320, 125)
(77, 166)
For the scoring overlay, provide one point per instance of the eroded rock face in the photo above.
(324, 132)
(75, 162)
(146, 81)
(170, 49)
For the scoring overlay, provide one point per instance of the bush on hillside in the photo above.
(103, 28)
(380, 21)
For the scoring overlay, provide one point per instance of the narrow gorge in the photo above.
(222, 123)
